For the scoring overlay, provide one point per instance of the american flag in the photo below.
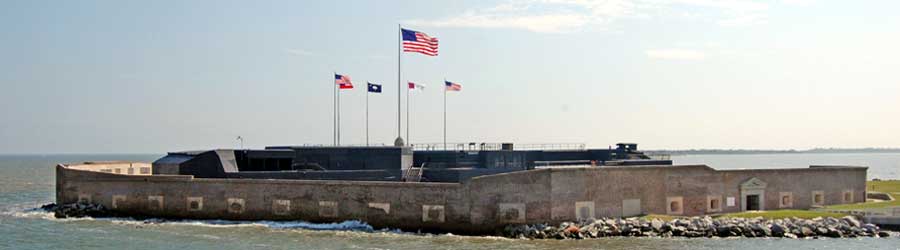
(453, 86)
(343, 81)
(414, 41)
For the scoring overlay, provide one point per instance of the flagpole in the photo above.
(334, 111)
(445, 114)
(399, 140)
(339, 117)
(408, 139)
(367, 114)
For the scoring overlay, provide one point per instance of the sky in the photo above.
(160, 76)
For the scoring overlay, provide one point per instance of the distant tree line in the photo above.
(767, 151)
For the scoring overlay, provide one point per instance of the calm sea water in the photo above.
(26, 182)
(881, 165)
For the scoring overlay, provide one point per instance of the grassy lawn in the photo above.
(660, 216)
(781, 214)
(892, 187)
(772, 214)
(895, 203)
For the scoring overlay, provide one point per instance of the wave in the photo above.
(351, 225)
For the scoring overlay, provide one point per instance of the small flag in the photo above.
(414, 41)
(374, 88)
(413, 85)
(452, 86)
(343, 81)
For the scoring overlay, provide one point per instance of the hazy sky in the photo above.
(155, 76)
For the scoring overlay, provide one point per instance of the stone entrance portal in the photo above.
(753, 194)
(752, 202)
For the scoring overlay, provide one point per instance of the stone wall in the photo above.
(116, 167)
(480, 205)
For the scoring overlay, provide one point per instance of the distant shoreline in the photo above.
(652, 151)
(757, 152)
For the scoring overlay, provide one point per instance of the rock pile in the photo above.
(77, 210)
(699, 227)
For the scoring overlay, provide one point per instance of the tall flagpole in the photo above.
(399, 140)
(339, 117)
(334, 111)
(367, 114)
(408, 140)
(445, 114)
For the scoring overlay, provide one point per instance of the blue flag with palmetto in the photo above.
(374, 88)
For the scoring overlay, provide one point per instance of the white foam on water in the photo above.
(28, 213)
(351, 225)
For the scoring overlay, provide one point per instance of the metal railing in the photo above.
(550, 146)
(413, 174)
(483, 146)
(342, 145)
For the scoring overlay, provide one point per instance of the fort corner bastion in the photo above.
(475, 190)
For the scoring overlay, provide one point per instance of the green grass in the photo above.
(662, 217)
(781, 214)
(891, 187)
(866, 205)
(770, 214)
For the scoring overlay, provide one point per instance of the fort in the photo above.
(467, 188)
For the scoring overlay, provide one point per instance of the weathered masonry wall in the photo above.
(479, 205)
(382, 204)
(116, 167)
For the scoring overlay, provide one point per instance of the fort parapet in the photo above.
(477, 205)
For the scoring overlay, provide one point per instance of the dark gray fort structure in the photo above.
(388, 163)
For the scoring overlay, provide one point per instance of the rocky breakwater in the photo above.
(77, 210)
(694, 227)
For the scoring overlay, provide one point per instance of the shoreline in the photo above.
(701, 227)
(693, 227)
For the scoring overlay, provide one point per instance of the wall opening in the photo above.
(195, 204)
(713, 203)
(818, 198)
(752, 202)
(753, 194)
(786, 200)
(848, 196)
(675, 205)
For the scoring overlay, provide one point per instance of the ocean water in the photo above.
(881, 165)
(27, 182)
